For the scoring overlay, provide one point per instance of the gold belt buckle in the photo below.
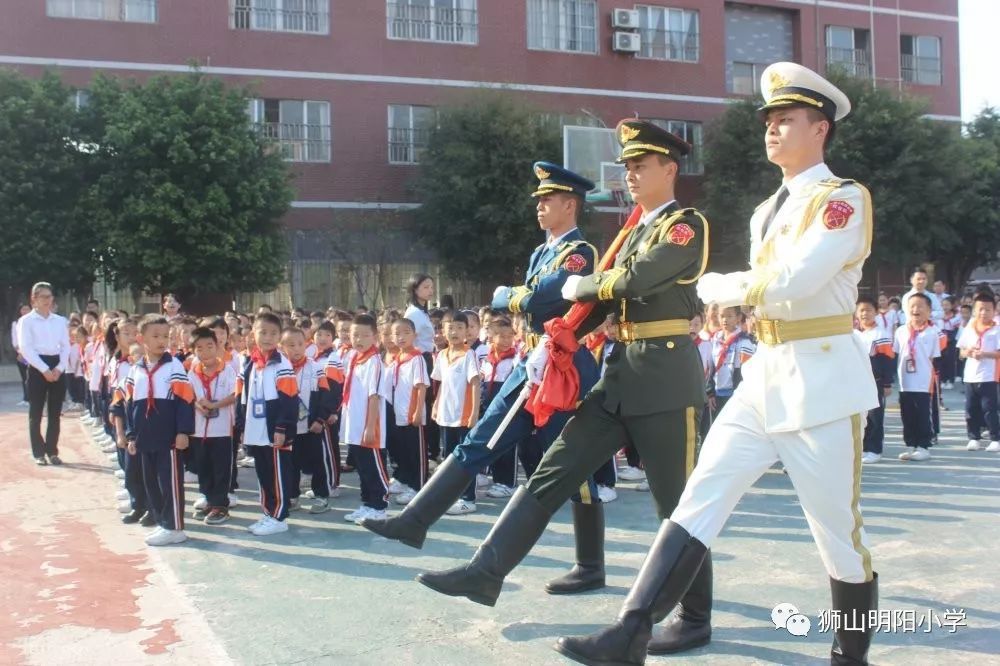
(626, 331)
(767, 331)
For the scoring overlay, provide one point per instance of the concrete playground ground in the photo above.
(78, 587)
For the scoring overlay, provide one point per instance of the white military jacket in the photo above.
(807, 265)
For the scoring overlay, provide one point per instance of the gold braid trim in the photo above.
(755, 295)
(517, 294)
(869, 224)
(704, 250)
(604, 292)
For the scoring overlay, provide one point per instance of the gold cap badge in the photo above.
(776, 81)
(627, 133)
(541, 173)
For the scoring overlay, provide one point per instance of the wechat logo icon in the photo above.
(786, 616)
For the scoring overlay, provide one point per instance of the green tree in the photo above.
(189, 195)
(474, 185)
(46, 230)
(909, 163)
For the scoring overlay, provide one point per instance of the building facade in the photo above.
(348, 87)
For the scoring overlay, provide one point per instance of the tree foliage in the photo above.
(930, 185)
(474, 184)
(189, 196)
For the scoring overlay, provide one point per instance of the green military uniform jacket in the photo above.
(652, 279)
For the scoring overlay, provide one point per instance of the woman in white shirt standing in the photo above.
(420, 291)
(22, 365)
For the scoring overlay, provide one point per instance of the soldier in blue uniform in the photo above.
(565, 253)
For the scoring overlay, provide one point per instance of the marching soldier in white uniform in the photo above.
(809, 242)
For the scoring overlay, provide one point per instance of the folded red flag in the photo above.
(560, 383)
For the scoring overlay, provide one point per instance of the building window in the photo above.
(691, 164)
(563, 25)
(409, 132)
(746, 78)
(668, 34)
(309, 16)
(921, 59)
(135, 11)
(847, 50)
(449, 21)
(300, 128)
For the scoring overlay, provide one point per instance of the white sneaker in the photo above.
(373, 514)
(245, 462)
(122, 495)
(308, 494)
(483, 481)
(499, 490)
(607, 494)
(870, 457)
(110, 448)
(201, 503)
(252, 526)
(22, 403)
(155, 530)
(905, 455)
(233, 500)
(993, 447)
(405, 497)
(919, 454)
(319, 505)
(269, 526)
(973, 445)
(396, 487)
(335, 492)
(124, 506)
(631, 474)
(643, 487)
(190, 477)
(461, 507)
(119, 474)
(357, 514)
(166, 537)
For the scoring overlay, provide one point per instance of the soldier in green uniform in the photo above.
(651, 394)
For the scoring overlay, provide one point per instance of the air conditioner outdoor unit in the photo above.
(627, 42)
(625, 18)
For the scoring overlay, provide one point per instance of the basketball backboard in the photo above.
(591, 152)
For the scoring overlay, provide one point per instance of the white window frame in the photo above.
(918, 57)
(125, 11)
(539, 26)
(755, 71)
(412, 149)
(305, 17)
(691, 131)
(853, 67)
(437, 27)
(300, 141)
(647, 12)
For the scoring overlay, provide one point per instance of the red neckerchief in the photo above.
(343, 349)
(595, 341)
(401, 358)
(150, 400)
(730, 341)
(495, 358)
(322, 353)
(298, 365)
(358, 359)
(981, 334)
(258, 358)
(911, 344)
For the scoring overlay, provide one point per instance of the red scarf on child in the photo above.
(400, 358)
(495, 357)
(259, 358)
(356, 360)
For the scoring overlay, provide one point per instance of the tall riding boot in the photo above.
(588, 573)
(853, 602)
(691, 625)
(445, 486)
(672, 562)
(517, 529)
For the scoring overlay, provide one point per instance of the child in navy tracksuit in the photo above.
(268, 410)
(158, 404)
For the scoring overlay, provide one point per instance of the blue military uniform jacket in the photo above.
(540, 299)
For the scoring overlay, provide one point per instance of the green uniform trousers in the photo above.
(665, 441)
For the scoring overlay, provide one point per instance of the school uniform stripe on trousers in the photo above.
(857, 433)
(326, 450)
(278, 498)
(178, 488)
(383, 477)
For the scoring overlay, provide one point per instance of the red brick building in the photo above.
(348, 86)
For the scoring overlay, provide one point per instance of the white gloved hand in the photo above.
(726, 290)
(499, 290)
(535, 365)
(569, 287)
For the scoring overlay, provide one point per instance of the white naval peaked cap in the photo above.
(786, 84)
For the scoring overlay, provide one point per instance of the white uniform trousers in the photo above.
(823, 463)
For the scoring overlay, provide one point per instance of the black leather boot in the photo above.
(691, 626)
(410, 527)
(853, 601)
(670, 566)
(588, 572)
(517, 529)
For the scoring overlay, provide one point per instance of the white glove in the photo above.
(499, 290)
(569, 287)
(726, 290)
(535, 365)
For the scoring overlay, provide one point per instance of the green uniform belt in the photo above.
(630, 331)
(780, 331)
